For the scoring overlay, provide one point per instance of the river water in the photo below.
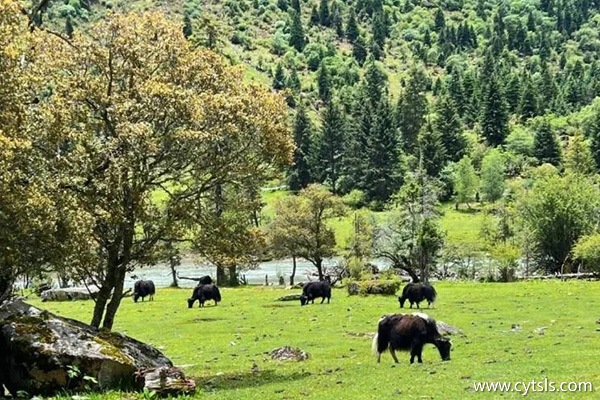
(161, 273)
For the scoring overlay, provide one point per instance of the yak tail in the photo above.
(375, 345)
(434, 294)
(217, 294)
(382, 338)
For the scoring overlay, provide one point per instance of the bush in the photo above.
(383, 286)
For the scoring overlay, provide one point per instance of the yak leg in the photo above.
(378, 357)
(416, 350)
(393, 353)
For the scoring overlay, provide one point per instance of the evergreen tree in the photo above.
(380, 29)
(330, 146)
(359, 50)
(512, 93)
(279, 78)
(69, 27)
(440, 21)
(297, 39)
(293, 82)
(336, 19)
(375, 84)
(494, 117)
(300, 174)
(411, 111)
(578, 157)
(546, 147)
(324, 16)
(448, 126)
(324, 82)
(352, 30)
(432, 152)
(528, 106)
(296, 6)
(187, 25)
(315, 19)
(456, 91)
(381, 173)
(283, 5)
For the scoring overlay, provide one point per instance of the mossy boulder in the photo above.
(42, 353)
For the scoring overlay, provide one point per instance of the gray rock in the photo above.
(39, 350)
(289, 297)
(68, 294)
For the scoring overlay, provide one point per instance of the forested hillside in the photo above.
(403, 104)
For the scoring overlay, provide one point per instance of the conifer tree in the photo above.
(352, 30)
(336, 20)
(296, 6)
(432, 151)
(297, 39)
(315, 19)
(359, 50)
(381, 173)
(546, 147)
(293, 82)
(324, 82)
(494, 117)
(411, 110)
(187, 25)
(69, 27)
(329, 147)
(324, 16)
(279, 78)
(448, 126)
(528, 105)
(300, 174)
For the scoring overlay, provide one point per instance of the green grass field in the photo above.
(556, 336)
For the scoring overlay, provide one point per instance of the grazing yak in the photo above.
(312, 290)
(409, 332)
(416, 293)
(203, 293)
(142, 289)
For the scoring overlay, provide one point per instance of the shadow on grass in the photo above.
(207, 319)
(472, 210)
(233, 381)
(280, 305)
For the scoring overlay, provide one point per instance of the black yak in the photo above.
(203, 293)
(409, 332)
(416, 293)
(312, 290)
(142, 289)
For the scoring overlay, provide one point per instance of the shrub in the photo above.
(382, 286)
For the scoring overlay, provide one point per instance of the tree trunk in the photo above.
(319, 265)
(293, 275)
(174, 275)
(115, 301)
(221, 277)
(233, 278)
(6, 283)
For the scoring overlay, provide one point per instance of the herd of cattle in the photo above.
(394, 332)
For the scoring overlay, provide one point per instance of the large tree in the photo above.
(329, 146)
(143, 129)
(411, 110)
(300, 225)
(28, 217)
(411, 238)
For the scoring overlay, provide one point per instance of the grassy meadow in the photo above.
(512, 332)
